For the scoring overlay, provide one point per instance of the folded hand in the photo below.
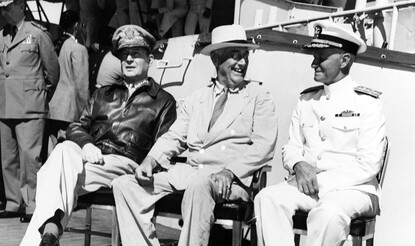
(92, 154)
(144, 172)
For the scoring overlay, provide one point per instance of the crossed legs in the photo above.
(61, 179)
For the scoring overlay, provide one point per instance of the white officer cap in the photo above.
(330, 35)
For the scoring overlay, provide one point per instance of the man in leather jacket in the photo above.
(116, 130)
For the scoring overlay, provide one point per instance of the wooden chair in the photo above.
(238, 212)
(170, 206)
(101, 199)
(361, 229)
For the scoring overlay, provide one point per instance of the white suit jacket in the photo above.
(242, 139)
(340, 129)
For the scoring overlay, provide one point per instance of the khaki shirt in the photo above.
(29, 72)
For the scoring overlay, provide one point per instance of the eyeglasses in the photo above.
(134, 53)
(238, 54)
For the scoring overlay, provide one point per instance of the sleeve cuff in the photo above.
(162, 158)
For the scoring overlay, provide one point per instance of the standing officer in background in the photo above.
(29, 72)
(72, 93)
(336, 141)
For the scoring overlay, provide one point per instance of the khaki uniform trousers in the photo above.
(21, 145)
(135, 205)
(328, 220)
(65, 176)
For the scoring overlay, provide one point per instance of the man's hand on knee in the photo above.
(224, 179)
(306, 178)
(144, 172)
(92, 154)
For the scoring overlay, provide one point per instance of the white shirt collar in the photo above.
(70, 35)
(20, 24)
(340, 87)
(218, 88)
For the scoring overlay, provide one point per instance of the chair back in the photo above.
(383, 162)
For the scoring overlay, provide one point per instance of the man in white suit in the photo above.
(333, 155)
(221, 158)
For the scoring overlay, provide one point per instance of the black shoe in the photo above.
(9, 214)
(48, 239)
(2, 206)
(26, 218)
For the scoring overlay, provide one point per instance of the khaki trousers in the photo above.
(135, 204)
(63, 177)
(21, 144)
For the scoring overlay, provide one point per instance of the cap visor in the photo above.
(313, 45)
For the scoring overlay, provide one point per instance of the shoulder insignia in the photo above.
(367, 91)
(40, 26)
(312, 89)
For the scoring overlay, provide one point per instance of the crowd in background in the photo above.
(162, 18)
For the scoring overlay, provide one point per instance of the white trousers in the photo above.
(328, 220)
(63, 177)
(135, 205)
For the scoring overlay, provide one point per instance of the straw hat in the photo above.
(228, 36)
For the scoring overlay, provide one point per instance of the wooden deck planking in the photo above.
(12, 231)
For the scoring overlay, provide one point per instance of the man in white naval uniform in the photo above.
(336, 139)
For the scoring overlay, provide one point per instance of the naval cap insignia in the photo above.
(317, 31)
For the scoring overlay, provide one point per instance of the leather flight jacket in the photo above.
(122, 125)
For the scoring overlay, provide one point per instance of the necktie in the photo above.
(219, 106)
(13, 31)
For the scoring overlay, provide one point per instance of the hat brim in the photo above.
(212, 47)
(5, 3)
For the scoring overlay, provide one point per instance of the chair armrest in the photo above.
(180, 159)
(259, 179)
